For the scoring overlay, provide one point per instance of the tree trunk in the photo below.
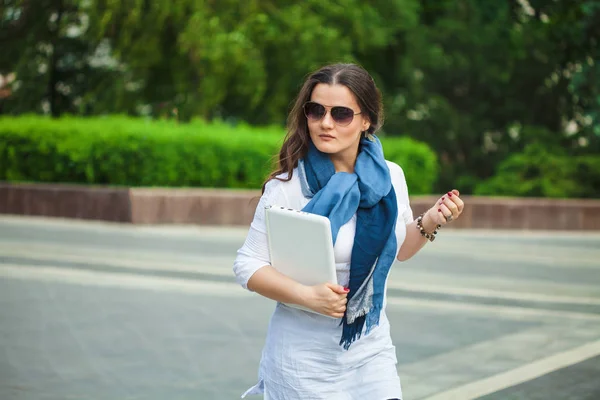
(52, 69)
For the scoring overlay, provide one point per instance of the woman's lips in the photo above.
(326, 137)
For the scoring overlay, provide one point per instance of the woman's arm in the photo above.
(269, 282)
(414, 241)
(448, 205)
(253, 270)
(327, 298)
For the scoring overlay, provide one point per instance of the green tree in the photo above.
(45, 43)
(475, 73)
(240, 60)
(477, 80)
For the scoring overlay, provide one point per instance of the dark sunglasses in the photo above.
(342, 116)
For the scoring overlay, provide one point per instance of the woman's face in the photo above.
(335, 139)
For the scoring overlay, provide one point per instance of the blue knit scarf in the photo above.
(368, 192)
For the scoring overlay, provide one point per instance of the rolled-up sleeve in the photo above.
(254, 254)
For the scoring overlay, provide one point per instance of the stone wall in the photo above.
(67, 201)
(236, 207)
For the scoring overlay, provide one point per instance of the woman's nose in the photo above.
(327, 121)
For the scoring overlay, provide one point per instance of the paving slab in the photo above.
(93, 310)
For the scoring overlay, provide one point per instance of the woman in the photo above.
(332, 164)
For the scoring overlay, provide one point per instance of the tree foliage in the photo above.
(476, 80)
(542, 172)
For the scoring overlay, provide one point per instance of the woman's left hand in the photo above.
(448, 208)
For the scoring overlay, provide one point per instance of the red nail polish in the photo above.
(346, 289)
(443, 198)
(439, 210)
(449, 194)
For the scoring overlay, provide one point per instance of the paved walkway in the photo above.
(103, 311)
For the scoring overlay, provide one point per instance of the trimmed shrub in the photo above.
(418, 161)
(538, 172)
(119, 150)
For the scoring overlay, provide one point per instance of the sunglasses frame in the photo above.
(328, 109)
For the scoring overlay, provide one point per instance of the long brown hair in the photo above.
(355, 78)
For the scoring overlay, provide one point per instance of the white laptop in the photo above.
(301, 246)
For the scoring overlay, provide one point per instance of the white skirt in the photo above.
(302, 360)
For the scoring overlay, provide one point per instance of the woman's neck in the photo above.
(344, 162)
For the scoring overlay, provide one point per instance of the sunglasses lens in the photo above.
(342, 115)
(314, 111)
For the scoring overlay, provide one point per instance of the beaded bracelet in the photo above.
(428, 236)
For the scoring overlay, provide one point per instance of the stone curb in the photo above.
(236, 207)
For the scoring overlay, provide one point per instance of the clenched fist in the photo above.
(327, 299)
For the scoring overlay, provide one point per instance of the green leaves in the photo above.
(458, 75)
(134, 152)
(239, 59)
(541, 172)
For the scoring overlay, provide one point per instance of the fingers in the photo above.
(334, 302)
(453, 196)
(339, 306)
(440, 217)
(449, 207)
(339, 289)
(446, 211)
(340, 309)
(337, 310)
(459, 203)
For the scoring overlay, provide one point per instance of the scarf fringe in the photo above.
(353, 332)
(350, 318)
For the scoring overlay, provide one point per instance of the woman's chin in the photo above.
(326, 147)
(328, 150)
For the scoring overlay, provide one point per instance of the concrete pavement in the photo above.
(93, 310)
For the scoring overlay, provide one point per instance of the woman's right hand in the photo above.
(328, 299)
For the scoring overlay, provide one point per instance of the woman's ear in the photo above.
(366, 124)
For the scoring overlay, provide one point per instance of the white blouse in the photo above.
(302, 358)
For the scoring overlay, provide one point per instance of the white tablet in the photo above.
(301, 246)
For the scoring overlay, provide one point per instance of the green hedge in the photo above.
(417, 159)
(135, 152)
(538, 172)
